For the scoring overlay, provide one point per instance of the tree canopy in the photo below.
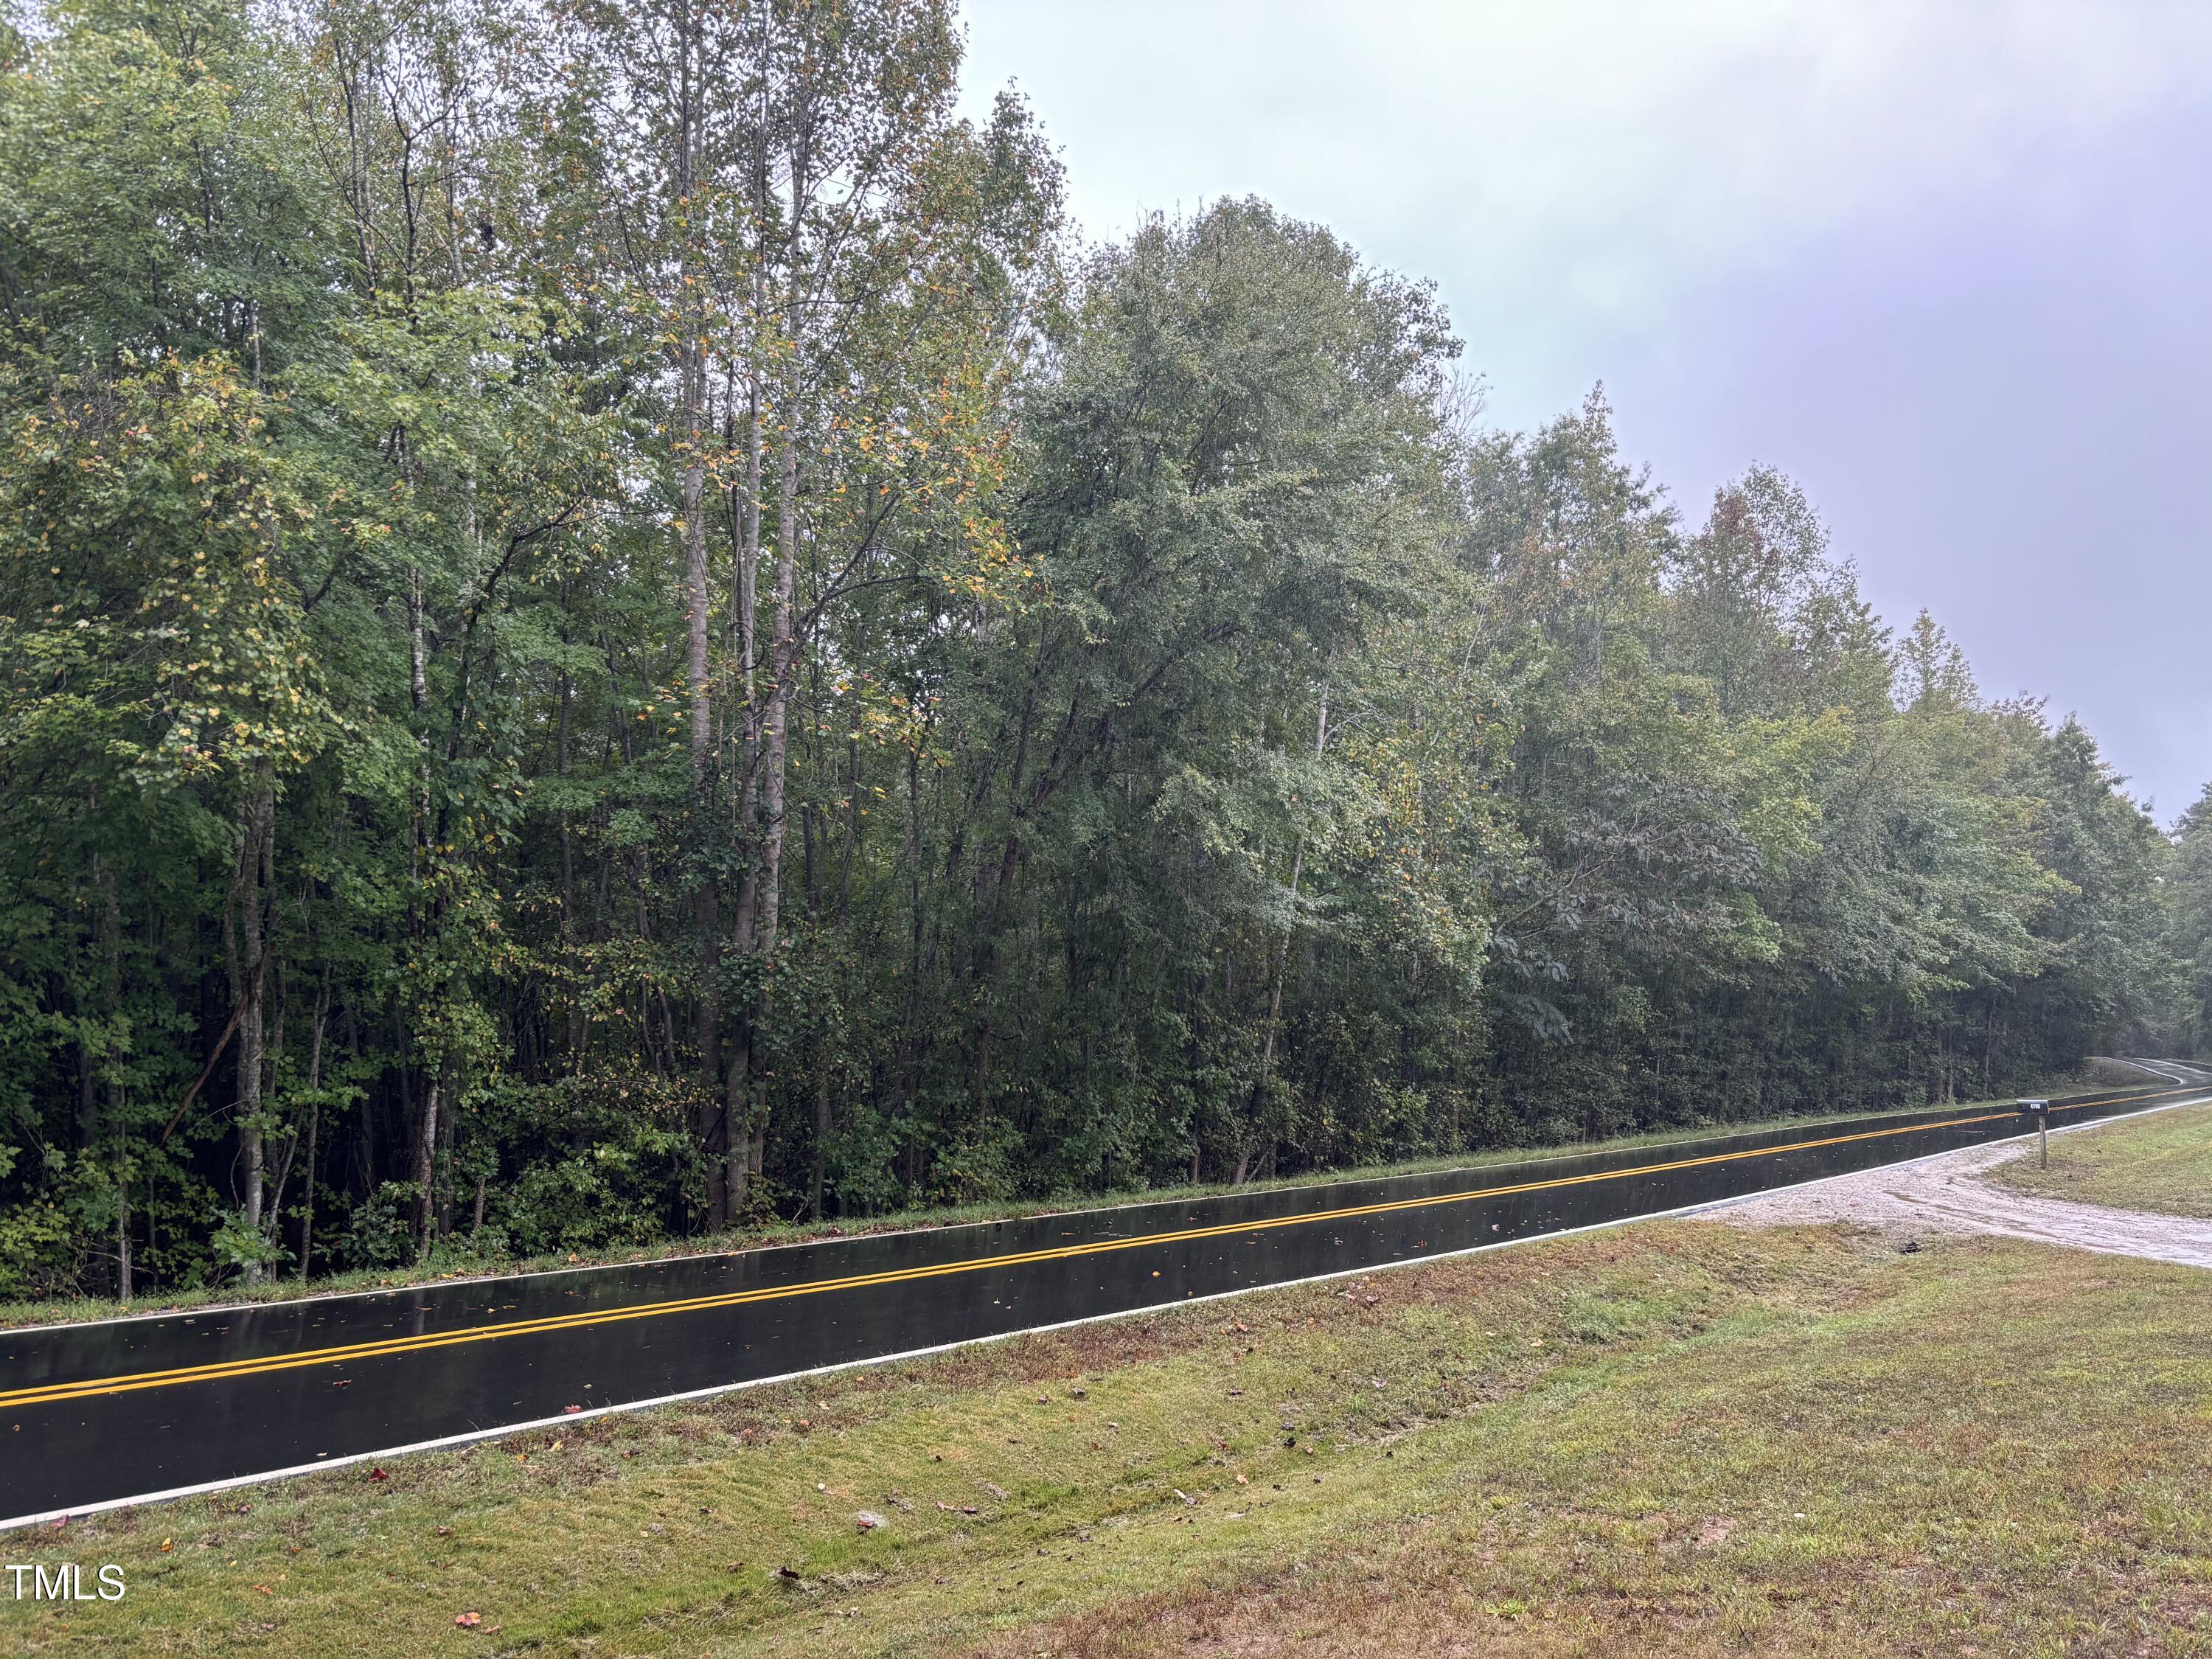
(609, 626)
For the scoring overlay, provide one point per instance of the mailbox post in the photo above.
(2040, 1111)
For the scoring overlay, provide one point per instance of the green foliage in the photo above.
(602, 630)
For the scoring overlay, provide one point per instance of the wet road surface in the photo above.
(91, 1415)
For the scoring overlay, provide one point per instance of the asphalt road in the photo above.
(131, 1409)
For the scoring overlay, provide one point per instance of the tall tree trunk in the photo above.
(250, 907)
(738, 1060)
(783, 674)
(705, 899)
(123, 1234)
(1281, 967)
(684, 180)
(747, 573)
(423, 1173)
(573, 1004)
(314, 1121)
(821, 1133)
(775, 762)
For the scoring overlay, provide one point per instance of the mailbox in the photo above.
(2034, 1107)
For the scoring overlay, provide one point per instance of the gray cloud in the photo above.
(1941, 262)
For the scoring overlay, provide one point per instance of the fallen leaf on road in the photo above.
(570, 1411)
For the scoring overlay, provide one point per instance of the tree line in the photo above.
(611, 629)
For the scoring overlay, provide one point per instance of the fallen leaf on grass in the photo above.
(168, 1544)
(265, 1590)
(378, 1475)
(468, 1620)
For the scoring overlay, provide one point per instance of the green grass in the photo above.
(1679, 1436)
(2161, 1163)
(67, 1310)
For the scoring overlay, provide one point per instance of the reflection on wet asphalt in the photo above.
(91, 1413)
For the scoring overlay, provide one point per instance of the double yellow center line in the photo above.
(342, 1355)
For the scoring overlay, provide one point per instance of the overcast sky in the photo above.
(1943, 261)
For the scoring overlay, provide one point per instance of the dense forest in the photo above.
(611, 627)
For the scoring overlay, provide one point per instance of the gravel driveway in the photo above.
(1947, 1195)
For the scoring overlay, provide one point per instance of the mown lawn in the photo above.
(2161, 1163)
(1675, 1438)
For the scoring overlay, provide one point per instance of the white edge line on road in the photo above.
(476, 1436)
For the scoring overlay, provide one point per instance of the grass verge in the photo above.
(2161, 1163)
(78, 1309)
(1674, 1437)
